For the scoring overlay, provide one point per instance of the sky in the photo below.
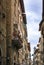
(33, 9)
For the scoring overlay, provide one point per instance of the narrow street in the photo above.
(21, 32)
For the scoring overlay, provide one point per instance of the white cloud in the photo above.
(33, 23)
(33, 12)
(33, 20)
(32, 29)
(33, 5)
(32, 15)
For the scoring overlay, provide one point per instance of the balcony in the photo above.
(17, 42)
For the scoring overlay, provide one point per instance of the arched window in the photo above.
(0, 57)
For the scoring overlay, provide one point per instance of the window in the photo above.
(15, 29)
(24, 47)
(15, 7)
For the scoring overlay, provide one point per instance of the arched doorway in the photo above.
(0, 57)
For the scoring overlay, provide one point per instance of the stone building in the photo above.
(36, 55)
(41, 49)
(13, 32)
(29, 54)
(2, 33)
(41, 28)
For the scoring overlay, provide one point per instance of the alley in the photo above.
(16, 40)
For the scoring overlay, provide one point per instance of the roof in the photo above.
(23, 10)
(22, 5)
(43, 8)
(42, 16)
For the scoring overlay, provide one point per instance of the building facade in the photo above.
(37, 55)
(13, 33)
(41, 28)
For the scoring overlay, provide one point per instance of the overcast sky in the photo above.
(33, 10)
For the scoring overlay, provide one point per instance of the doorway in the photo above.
(0, 57)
